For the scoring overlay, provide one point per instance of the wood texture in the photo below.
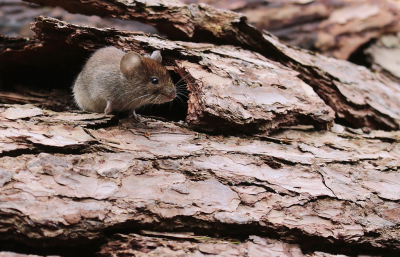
(333, 28)
(247, 172)
(300, 185)
(347, 94)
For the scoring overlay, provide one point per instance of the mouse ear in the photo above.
(156, 55)
(130, 61)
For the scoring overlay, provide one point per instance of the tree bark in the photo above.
(305, 187)
(245, 174)
(334, 28)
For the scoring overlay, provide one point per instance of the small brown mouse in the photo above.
(113, 80)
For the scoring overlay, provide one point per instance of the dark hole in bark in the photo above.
(359, 57)
(78, 248)
(41, 76)
(44, 77)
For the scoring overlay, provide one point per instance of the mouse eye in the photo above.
(154, 81)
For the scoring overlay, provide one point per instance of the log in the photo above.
(348, 94)
(273, 99)
(374, 106)
(384, 53)
(308, 188)
(334, 28)
(247, 173)
(153, 246)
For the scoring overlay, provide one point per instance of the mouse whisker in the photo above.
(149, 105)
(170, 106)
(151, 101)
(182, 89)
(185, 84)
(182, 79)
(158, 99)
(182, 94)
(135, 99)
(181, 101)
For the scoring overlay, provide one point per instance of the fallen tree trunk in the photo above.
(333, 28)
(304, 186)
(360, 97)
(348, 94)
(169, 187)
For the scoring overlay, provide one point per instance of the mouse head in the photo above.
(148, 76)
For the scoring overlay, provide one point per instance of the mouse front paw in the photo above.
(135, 117)
(108, 108)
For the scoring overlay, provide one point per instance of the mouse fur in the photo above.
(113, 80)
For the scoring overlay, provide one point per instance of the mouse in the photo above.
(113, 80)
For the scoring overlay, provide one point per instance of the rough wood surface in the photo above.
(138, 245)
(234, 88)
(162, 187)
(305, 186)
(173, 18)
(334, 28)
(362, 98)
(385, 54)
(346, 88)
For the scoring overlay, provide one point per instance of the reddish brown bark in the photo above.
(163, 187)
(334, 28)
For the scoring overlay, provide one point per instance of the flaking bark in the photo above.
(300, 185)
(74, 177)
(334, 28)
(338, 83)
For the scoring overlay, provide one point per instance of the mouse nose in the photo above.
(171, 95)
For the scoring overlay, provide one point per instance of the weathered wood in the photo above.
(12, 254)
(298, 184)
(373, 106)
(384, 54)
(173, 18)
(347, 94)
(334, 28)
(138, 245)
(239, 89)
(357, 95)
(73, 177)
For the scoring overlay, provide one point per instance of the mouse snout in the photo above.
(171, 95)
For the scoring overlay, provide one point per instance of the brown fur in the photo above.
(103, 80)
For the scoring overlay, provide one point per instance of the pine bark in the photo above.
(258, 166)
